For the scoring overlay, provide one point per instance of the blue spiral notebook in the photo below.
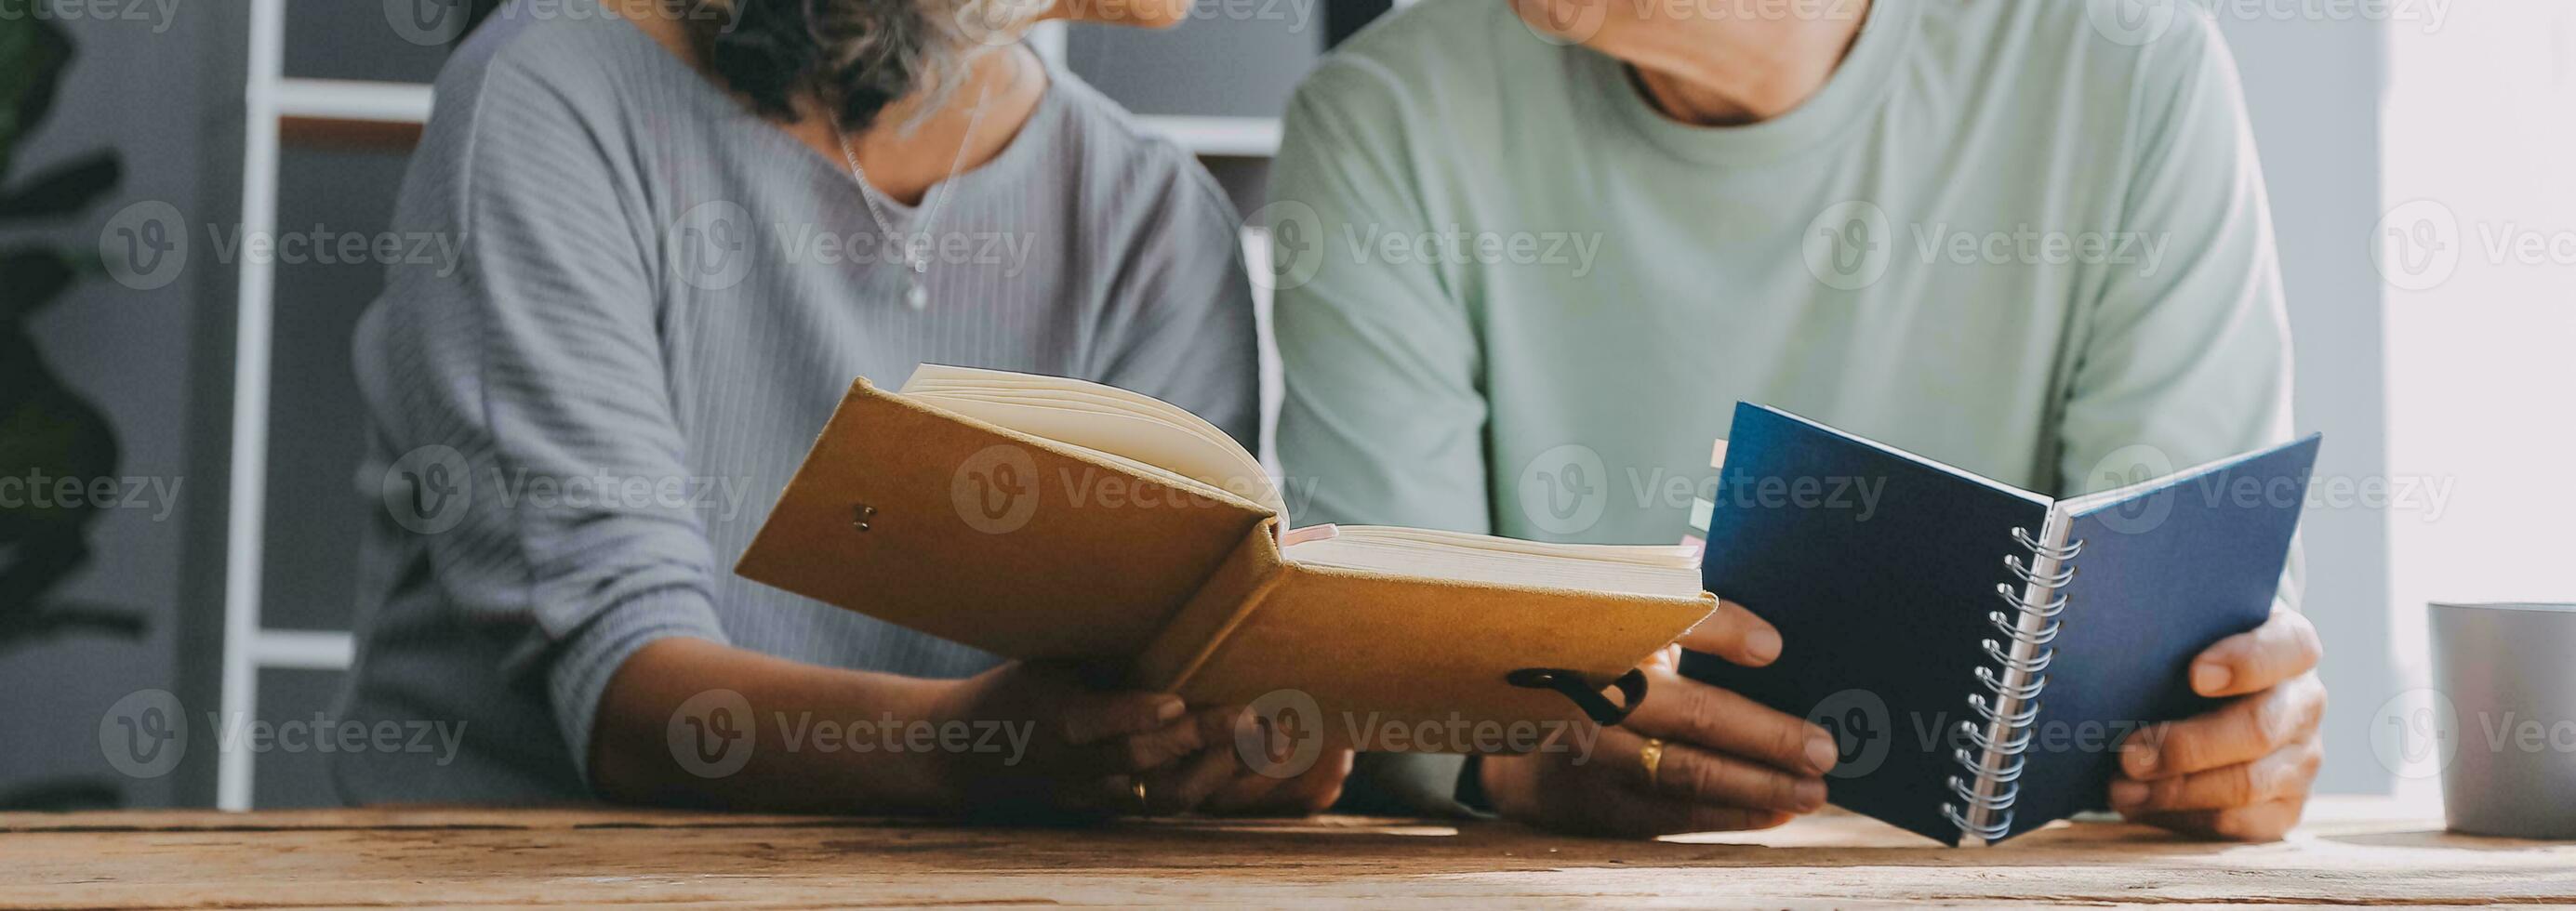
(1980, 651)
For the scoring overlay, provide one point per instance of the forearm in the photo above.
(641, 725)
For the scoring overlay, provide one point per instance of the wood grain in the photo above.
(2352, 852)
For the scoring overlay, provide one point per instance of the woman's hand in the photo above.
(1076, 749)
(690, 722)
(1103, 743)
(1228, 778)
(1717, 761)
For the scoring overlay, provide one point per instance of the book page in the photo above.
(1658, 570)
(1103, 419)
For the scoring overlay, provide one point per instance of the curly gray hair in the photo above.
(857, 56)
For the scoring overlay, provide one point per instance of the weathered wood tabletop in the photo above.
(2351, 851)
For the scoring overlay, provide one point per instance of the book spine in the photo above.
(1997, 740)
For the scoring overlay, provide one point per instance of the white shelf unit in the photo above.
(270, 97)
(394, 102)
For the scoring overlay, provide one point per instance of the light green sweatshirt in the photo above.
(1513, 298)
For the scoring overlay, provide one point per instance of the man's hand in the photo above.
(1727, 762)
(2243, 770)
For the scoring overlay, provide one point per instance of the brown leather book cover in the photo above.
(1032, 549)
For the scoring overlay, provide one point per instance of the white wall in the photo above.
(2480, 140)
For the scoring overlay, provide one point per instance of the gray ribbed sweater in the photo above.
(579, 427)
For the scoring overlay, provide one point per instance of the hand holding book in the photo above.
(1051, 519)
(1691, 758)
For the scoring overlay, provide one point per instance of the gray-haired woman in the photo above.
(688, 224)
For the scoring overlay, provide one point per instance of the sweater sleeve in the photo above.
(524, 385)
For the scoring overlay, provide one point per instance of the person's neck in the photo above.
(1696, 103)
(908, 150)
(1748, 85)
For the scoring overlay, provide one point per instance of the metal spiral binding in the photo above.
(2015, 682)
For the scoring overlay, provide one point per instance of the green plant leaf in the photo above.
(30, 278)
(58, 795)
(64, 189)
(70, 618)
(33, 53)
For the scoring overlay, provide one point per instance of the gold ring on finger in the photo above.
(1652, 757)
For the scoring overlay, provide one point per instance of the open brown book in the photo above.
(1044, 518)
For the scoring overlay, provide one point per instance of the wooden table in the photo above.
(2352, 851)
